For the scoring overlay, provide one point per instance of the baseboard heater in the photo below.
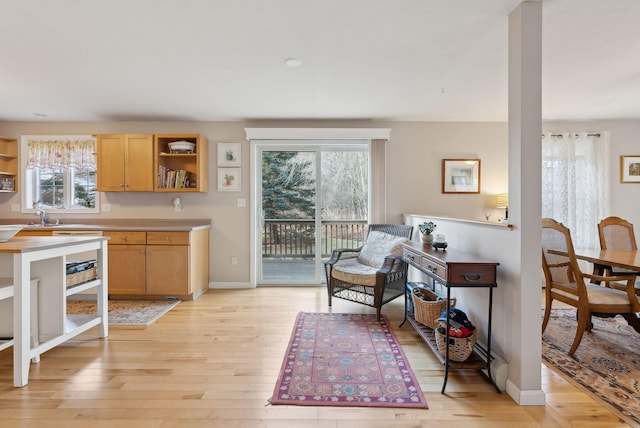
(499, 367)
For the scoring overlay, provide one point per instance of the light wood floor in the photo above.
(213, 362)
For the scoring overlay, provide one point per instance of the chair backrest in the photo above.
(616, 234)
(402, 230)
(559, 261)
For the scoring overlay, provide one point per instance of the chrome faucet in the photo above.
(43, 216)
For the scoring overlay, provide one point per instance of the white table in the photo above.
(44, 257)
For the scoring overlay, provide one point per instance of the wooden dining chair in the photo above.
(616, 233)
(565, 282)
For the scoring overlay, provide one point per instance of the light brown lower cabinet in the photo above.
(167, 264)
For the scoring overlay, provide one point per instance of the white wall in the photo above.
(414, 156)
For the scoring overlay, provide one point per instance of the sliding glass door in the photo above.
(311, 198)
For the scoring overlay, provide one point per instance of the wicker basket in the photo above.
(426, 306)
(460, 348)
(80, 277)
(80, 271)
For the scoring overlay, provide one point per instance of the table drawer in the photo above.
(126, 238)
(472, 274)
(409, 254)
(435, 268)
(168, 238)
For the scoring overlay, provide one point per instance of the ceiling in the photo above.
(213, 60)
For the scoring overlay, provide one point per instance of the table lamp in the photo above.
(503, 202)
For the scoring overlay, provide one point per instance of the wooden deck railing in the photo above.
(296, 238)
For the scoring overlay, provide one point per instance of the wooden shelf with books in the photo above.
(8, 165)
(180, 163)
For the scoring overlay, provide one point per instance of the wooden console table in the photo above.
(452, 269)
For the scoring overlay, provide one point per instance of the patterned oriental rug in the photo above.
(606, 364)
(126, 312)
(345, 360)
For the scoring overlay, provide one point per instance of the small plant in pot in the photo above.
(426, 229)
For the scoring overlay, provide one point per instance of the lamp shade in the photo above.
(503, 200)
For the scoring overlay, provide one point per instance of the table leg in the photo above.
(21, 319)
(103, 290)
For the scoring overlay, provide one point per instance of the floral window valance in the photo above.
(52, 153)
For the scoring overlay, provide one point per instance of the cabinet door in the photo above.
(127, 269)
(168, 270)
(111, 150)
(138, 162)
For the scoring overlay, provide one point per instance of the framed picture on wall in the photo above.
(630, 169)
(229, 179)
(460, 175)
(229, 154)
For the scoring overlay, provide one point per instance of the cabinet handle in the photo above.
(432, 268)
(410, 257)
(123, 238)
(472, 277)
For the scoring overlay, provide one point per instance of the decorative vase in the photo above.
(427, 239)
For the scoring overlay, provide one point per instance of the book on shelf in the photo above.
(7, 184)
(174, 179)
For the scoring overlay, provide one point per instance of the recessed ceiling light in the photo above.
(293, 62)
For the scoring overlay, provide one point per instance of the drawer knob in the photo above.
(432, 268)
(472, 277)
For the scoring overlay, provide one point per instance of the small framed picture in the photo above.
(229, 154)
(460, 175)
(229, 179)
(630, 169)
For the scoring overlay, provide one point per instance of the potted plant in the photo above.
(426, 229)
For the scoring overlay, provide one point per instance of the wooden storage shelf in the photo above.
(180, 172)
(8, 165)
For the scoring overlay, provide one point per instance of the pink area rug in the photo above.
(345, 360)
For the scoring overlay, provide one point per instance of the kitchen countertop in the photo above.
(116, 224)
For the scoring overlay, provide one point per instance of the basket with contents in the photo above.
(462, 335)
(427, 306)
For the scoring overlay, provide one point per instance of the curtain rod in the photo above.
(588, 135)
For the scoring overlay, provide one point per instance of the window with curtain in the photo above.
(60, 173)
(575, 183)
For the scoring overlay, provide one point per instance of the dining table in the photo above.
(603, 259)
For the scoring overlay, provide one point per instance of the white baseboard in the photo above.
(229, 285)
(525, 398)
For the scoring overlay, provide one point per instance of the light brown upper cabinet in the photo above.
(125, 162)
(180, 163)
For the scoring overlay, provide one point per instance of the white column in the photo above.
(525, 128)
